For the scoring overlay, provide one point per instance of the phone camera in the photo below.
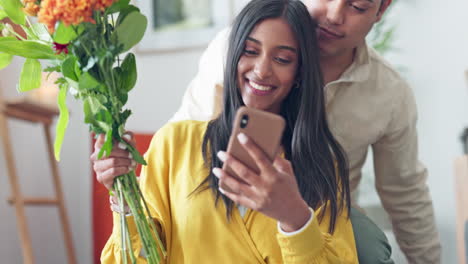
(244, 121)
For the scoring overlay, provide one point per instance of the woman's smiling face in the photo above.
(268, 66)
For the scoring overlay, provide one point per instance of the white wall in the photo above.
(432, 50)
(432, 37)
(33, 169)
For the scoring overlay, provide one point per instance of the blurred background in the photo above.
(428, 43)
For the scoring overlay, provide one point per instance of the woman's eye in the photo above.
(283, 61)
(250, 52)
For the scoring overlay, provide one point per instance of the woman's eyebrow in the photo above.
(279, 47)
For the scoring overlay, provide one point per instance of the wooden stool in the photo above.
(33, 112)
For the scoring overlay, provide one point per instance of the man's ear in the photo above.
(382, 9)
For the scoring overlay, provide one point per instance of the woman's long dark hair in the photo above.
(318, 161)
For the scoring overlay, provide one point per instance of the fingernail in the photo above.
(242, 138)
(127, 137)
(121, 145)
(130, 169)
(133, 164)
(222, 155)
(221, 190)
(130, 155)
(217, 172)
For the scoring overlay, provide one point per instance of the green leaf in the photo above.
(52, 69)
(3, 14)
(42, 32)
(30, 33)
(124, 12)
(123, 119)
(26, 48)
(96, 113)
(131, 30)
(68, 68)
(14, 10)
(135, 154)
(93, 106)
(72, 85)
(117, 6)
(31, 75)
(129, 72)
(87, 82)
(5, 60)
(64, 34)
(77, 69)
(107, 147)
(62, 122)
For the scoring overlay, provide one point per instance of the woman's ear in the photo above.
(297, 80)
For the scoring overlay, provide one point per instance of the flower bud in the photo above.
(7, 30)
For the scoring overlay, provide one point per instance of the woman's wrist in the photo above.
(297, 218)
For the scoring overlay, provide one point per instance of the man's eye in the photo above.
(361, 10)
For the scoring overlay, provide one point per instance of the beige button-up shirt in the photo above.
(369, 105)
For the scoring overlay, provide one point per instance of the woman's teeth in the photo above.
(260, 87)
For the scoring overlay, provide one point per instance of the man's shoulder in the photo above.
(385, 69)
(384, 75)
(220, 41)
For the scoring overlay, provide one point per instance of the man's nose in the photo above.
(336, 12)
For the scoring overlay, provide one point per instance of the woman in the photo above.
(296, 209)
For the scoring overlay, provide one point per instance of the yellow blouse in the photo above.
(196, 231)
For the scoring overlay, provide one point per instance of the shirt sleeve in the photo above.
(401, 183)
(300, 229)
(154, 185)
(313, 244)
(200, 99)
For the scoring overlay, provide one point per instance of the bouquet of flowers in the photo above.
(84, 40)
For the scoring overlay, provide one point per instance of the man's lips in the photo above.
(329, 34)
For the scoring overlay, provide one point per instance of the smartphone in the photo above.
(264, 128)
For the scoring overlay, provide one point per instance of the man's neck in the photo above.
(334, 66)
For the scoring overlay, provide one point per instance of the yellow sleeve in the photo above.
(315, 245)
(154, 185)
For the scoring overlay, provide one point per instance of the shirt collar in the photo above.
(359, 70)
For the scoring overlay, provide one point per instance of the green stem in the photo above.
(147, 234)
(32, 28)
(14, 33)
(123, 223)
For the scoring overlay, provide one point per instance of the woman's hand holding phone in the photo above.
(272, 191)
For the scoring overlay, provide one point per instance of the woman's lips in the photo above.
(259, 89)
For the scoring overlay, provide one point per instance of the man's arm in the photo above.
(199, 99)
(401, 183)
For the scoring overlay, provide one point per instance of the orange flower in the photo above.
(70, 12)
(103, 4)
(31, 7)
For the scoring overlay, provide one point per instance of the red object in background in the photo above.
(102, 215)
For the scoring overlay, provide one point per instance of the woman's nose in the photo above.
(263, 67)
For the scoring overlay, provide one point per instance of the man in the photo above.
(368, 104)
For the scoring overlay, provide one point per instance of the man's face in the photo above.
(344, 24)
